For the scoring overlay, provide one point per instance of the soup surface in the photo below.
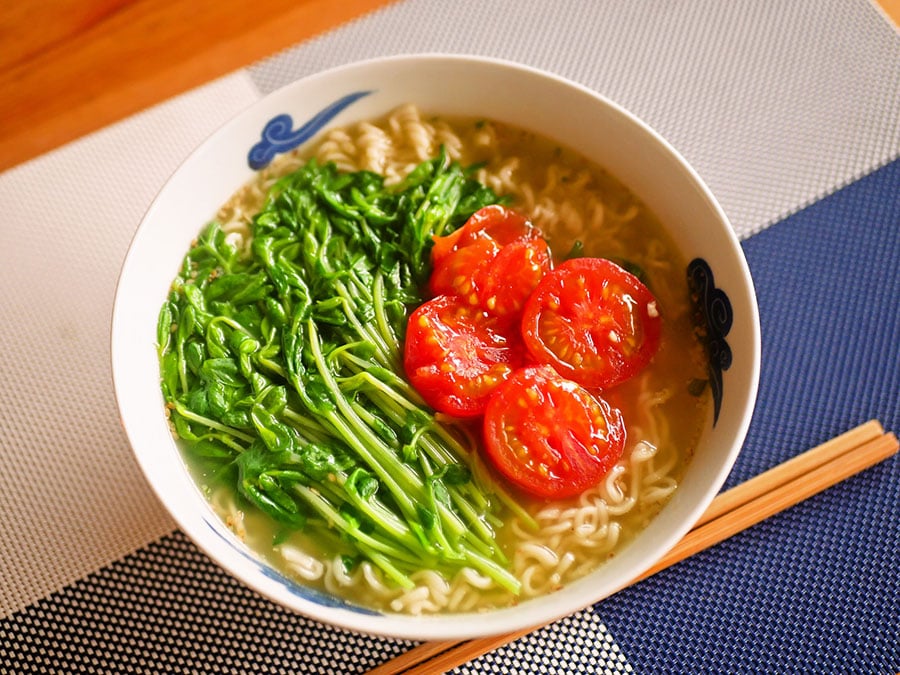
(580, 208)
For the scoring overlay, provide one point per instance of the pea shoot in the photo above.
(281, 368)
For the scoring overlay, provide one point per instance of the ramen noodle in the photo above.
(573, 202)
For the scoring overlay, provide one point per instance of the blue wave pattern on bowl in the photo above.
(714, 322)
(279, 135)
(291, 586)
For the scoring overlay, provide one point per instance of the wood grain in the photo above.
(69, 67)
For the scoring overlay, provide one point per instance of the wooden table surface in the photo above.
(69, 67)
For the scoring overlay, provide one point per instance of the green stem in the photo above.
(376, 549)
(212, 424)
(405, 485)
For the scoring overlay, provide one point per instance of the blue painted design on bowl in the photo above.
(279, 135)
(289, 584)
(713, 319)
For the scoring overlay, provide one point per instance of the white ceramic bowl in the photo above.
(452, 85)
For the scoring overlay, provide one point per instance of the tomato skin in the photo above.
(594, 322)
(549, 436)
(455, 355)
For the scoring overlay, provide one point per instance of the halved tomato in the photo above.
(455, 355)
(496, 222)
(495, 260)
(550, 436)
(592, 321)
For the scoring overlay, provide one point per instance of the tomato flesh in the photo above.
(594, 322)
(455, 355)
(462, 272)
(550, 436)
(504, 286)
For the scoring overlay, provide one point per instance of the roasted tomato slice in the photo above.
(506, 283)
(592, 321)
(496, 223)
(495, 260)
(550, 436)
(455, 355)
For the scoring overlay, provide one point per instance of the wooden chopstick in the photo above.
(778, 499)
(791, 469)
(731, 512)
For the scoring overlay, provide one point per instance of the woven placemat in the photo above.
(811, 590)
(776, 104)
(816, 589)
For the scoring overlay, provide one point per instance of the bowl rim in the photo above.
(451, 625)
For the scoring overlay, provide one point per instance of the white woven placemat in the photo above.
(775, 103)
(72, 497)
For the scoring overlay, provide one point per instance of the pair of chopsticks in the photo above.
(730, 512)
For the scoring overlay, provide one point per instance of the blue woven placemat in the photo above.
(817, 588)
